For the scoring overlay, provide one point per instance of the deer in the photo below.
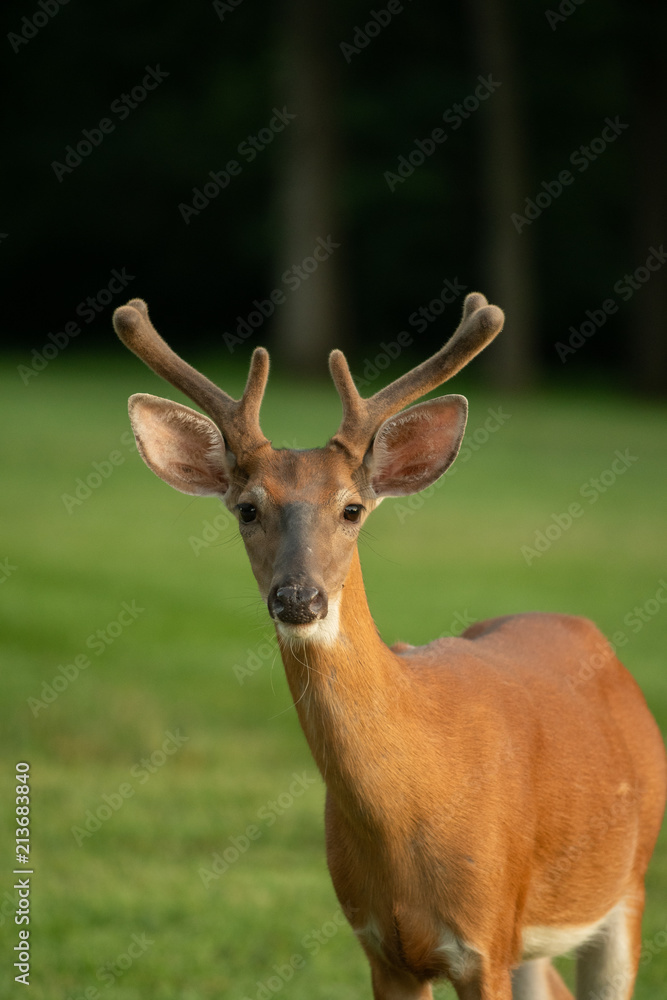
(483, 814)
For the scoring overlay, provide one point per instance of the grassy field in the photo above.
(139, 676)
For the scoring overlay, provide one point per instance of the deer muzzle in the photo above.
(297, 604)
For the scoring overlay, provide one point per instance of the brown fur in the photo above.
(468, 785)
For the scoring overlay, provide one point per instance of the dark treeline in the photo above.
(304, 175)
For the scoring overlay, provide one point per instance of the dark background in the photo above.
(564, 68)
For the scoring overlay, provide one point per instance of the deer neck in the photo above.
(355, 703)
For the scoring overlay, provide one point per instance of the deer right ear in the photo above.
(413, 448)
(179, 445)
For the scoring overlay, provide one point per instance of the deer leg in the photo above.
(489, 984)
(607, 967)
(388, 984)
(538, 980)
(559, 990)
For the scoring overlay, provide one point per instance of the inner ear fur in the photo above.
(181, 446)
(414, 448)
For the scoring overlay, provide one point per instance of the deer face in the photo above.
(299, 512)
(299, 516)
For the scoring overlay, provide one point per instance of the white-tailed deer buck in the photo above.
(483, 814)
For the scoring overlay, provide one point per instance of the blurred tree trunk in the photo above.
(512, 360)
(648, 340)
(311, 321)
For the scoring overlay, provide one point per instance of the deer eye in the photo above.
(247, 512)
(352, 512)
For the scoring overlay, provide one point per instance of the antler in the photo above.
(238, 419)
(362, 417)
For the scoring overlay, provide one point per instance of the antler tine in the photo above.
(238, 420)
(479, 324)
(243, 424)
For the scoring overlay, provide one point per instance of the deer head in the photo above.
(300, 512)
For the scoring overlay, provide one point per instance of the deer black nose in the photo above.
(297, 605)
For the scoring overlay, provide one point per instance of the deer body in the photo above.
(450, 840)
(484, 814)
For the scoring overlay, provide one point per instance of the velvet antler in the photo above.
(237, 419)
(362, 417)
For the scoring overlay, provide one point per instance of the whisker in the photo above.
(364, 537)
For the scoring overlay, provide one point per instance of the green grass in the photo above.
(429, 563)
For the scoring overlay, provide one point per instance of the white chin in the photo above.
(324, 630)
(299, 631)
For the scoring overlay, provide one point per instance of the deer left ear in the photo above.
(181, 446)
(413, 448)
